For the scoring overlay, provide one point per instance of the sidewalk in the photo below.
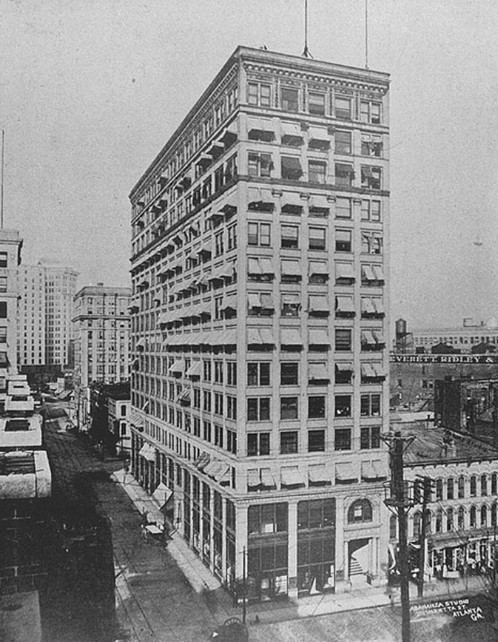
(220, 602)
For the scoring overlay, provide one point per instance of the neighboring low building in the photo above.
(118, 408)
(109, 411)
(462, 339)
(462, 513)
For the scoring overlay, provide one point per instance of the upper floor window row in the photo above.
(317, 103)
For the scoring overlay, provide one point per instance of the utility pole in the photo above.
(426, 498)
(400, 501)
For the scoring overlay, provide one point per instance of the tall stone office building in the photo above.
(259, 328)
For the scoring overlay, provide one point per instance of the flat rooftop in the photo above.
(20, 432)
(25, 475)
(433, 444)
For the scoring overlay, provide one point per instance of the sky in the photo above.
(90, 90)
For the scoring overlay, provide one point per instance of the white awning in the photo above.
(292, 129)
(367, 306)
(260, 195)
(378, 272)
(290, 337)
(367, 371)
(378, 305)
(194, 370)
(318, 372)
(148, 452)
(319, 474)
(368, 337)
(318, 267)
(344, 367)
(291, 476)
(344, 304)
(291, 199)
(378, 336)
(291, 268)
(178, 366)
(253, 300)
(318, 303)
(184, 396)
(221, 471)
(216, 338)
(319, 202)
(260, 336)
(230, 205)
(136, 419)
(345, 472)
(229, 301)
(267, 301)
(319, 337)
(230, 337)
(266, 266)
(253, 266)
(344, 271)
(162, 494)
(319, 133)
(253, 478)
(140, 343)
(372, 470)
(267, 479)
(205, 247)
(260, 124)
(229, 132)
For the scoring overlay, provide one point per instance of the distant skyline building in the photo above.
(10, 260)
(260, 299)
(45, 315)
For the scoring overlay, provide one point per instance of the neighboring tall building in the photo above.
(10, 259)
(46, 311)
(102, 336)
(259, 388)
(470, 337)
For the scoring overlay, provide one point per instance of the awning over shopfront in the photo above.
(161, 495)
(345, 473)
(319, 474)
(291, 476)
(148, 452)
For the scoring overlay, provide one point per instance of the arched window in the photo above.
(428, 521)
(393, 527)
(461, 518)
(450, 492)
(439, 521)
(484, 485)
(484, 515)
(473, 515)
(494, 479)
(360, 511)
(449, 519)
(473, 486)
(417, 520)
(439, 489)
(461, 487)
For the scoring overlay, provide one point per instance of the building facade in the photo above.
(464, 339)
(46, 311)
(259, 388)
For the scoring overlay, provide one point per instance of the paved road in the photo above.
(154, 601)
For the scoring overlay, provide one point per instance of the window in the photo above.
(370, 437)
(439, 489)
(461, 487)
(231, 407)
(344, 175)
(3, 309)
(371, 243)
(371, 177)
(289, 99)
(473, 515)
(484, 485)
(343, 108)
(291, 305)
(473, 486)
(450, 488)
(343, 405)
(316, 441)
(316, 103)
(360, 511)
(231, 373)
(316, 407)
(343, 373)
(317, 172)
(343, 240)
(289, 374)
(317, 238)
(258, 444)
(370, 210)
(343, 340)
(291, 168)
(343, 208)
(371, 145)
(290, 236)
(258, 373)
(288, 408)
(370, 405)
(232, 237)
(288, 442)
(3, 284)
(267, 518)
(370, 112)
(258, 409)
(258, 94)
(259, 234)
(343, 142)
(218, 242)
(259, 164)
(3, 259)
